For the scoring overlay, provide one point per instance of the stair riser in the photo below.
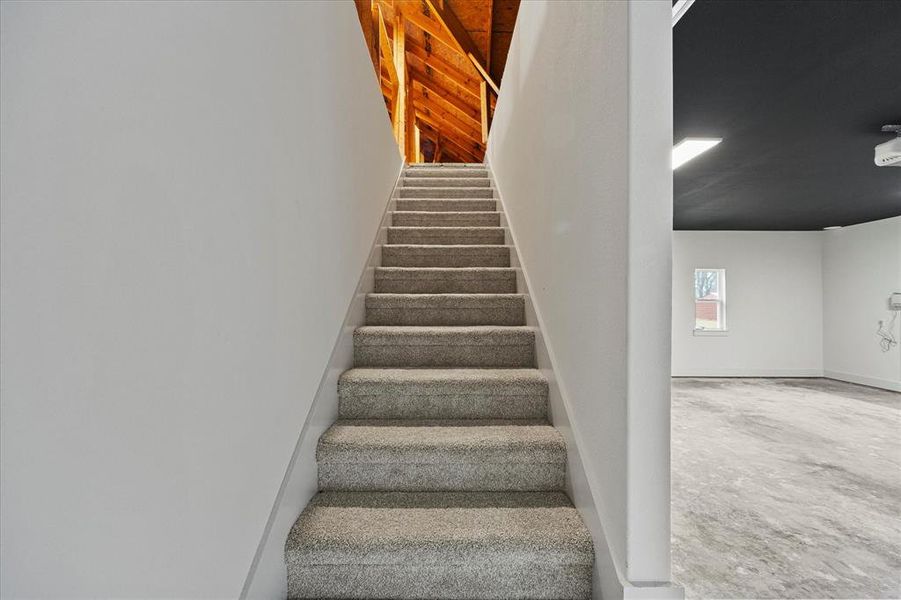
(450, 283)
(411, 256)
(461, 355)
(474, 182)
(445, 173)
(439, 205)
(446, 316)
(446, 192)
(483, 581)
(462, 236)
(448, 406)
(438, 219)
(460, 477)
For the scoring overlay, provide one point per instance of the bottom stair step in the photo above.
(461, 546)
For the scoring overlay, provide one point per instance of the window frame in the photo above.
(720, 302)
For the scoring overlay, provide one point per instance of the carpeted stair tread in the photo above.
(446, 204)
(433, 455)
(441, 346)
(412, 180)
(441, 441)
(446, 219)
(444, 165)
(446, 192)
(366, 393)
(445, 255)
(500, 382)
(488, 545)
(446, 172)
(445, 280)
(444, 235)
(445, 309)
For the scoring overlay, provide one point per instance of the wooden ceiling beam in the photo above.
(466, 82)
(453, 153)
(461, 153)
(424, 100)
(446, 96)
(443, 13)
(438, 125)
(469, 148)
(448, 146)
(435, 28)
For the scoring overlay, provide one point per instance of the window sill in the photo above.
(711, 332)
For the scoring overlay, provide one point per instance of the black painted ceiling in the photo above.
(798, 90)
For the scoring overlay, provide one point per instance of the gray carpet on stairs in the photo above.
(445, 309)
(446, 219)
(442, 478)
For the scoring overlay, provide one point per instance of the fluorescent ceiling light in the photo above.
(831, 227)
(689, 148)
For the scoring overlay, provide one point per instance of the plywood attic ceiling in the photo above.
(440, 64)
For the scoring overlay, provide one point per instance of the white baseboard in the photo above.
(653, 591)
(749, 373)
(885, 384)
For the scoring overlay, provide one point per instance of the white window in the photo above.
(710, 300)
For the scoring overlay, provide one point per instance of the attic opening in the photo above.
(440, 65)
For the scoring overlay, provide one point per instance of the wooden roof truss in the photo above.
(436, 75)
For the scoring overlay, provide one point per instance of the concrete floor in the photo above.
(786, 488)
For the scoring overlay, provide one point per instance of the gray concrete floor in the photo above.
(786, 488)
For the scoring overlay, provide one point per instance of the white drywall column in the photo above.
(650, 287)
(189, 194)
(580, 148)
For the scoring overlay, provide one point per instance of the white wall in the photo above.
(861, 267)
(580, 148)
(774, 304)
(186, 210)
(799, 304)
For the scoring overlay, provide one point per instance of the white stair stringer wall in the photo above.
(267, 577)
(587, 194)
(607, 580)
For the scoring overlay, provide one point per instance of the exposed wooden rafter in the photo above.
(423, 100)
(447, 96)
(466, 82)
(456, 30)
(435, 68)
(438, 125)
(459, 148)
(470, 145)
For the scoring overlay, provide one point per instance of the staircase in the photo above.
(442, 477)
